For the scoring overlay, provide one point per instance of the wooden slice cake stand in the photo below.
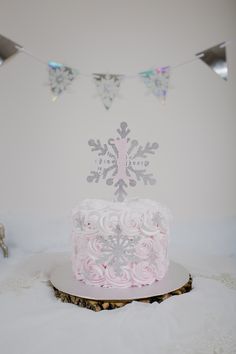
(177, 281)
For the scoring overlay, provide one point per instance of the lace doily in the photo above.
(225, 278)
(22, 281)
(210, 343)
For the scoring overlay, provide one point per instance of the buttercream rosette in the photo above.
(120, 244)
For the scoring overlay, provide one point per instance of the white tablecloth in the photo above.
(33, 321)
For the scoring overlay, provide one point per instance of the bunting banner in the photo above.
(215, 58)
(60, 77)
(108, 86)
(8, 49)
(157, 81)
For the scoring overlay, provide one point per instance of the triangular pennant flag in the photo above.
(215, 58)
(8, 49)
(157, 81)
(108, 86)
(60, 77)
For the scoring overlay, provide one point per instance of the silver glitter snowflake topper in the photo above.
(122, 162)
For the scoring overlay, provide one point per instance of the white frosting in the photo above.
(97, 216)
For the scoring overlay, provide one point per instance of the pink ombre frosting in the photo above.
(120, 244)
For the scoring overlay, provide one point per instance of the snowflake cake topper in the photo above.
(122, 162)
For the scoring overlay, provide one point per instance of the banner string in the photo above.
(128, 76)
(23, 50)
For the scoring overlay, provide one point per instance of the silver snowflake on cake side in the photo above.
(122, 162)
(118, 250)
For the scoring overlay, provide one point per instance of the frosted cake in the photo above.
(118, 244)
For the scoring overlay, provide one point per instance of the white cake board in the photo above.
(63, 279)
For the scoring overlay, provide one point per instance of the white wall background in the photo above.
(44, 155)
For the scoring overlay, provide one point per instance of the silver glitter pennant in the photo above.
(122, 162)
(8, 49)
(215, 58)
(108, 86)
(157, 81)
(60, 77)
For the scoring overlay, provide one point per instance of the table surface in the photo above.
(33, 321)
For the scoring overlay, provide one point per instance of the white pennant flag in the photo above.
(157, 81)
(108, 86)
(60, 77)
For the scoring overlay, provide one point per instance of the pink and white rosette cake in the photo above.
(120, 245)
